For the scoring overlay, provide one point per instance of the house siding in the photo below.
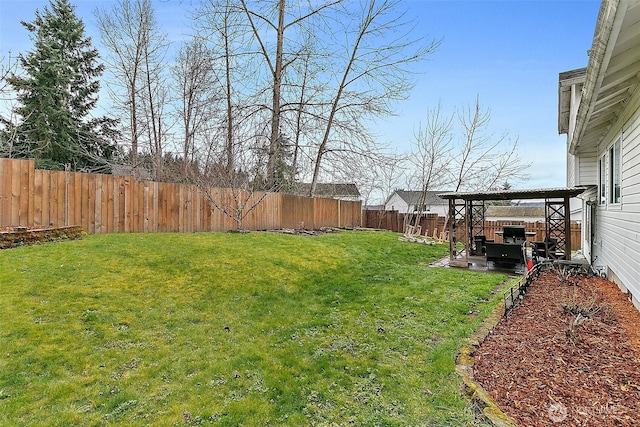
(399, 203)
(617, 243)
(582, 170)
(588, 169)
(396, 203)
(572, 176)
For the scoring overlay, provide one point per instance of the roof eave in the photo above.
(600, 51)
(566, 81)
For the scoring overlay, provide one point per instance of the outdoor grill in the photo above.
(513, 234)
(512, 249)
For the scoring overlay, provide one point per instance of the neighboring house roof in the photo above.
(610, 79)
(514, 211)
(328, 190)
(373, 207)
(412, 198)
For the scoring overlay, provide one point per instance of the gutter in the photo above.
(604, 28)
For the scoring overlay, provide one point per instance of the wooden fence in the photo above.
(115, 204)
(394, 221)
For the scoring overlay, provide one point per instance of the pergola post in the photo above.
(458, 211)
(451, 230)
(558, 225)
(476, 211)
(567, 228)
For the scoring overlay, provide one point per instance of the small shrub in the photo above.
(573, 330)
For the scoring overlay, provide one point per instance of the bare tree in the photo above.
(430, 157)
(300, 114)
(8, 67)
(136, 56)
(231, 156)
(483, 160)
(281, 19)
(197, 95)
(378, 177)
(376, 72)
(238, 192)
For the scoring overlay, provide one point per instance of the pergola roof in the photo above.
(543, 193)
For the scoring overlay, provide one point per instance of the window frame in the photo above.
(602, 179)
(614, 193)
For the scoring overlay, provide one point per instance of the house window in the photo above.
(602, 189)
(614, 172)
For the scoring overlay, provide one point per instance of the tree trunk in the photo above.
(274, 138)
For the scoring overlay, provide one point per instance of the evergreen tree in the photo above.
(57, 90)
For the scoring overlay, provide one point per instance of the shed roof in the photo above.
(543, 193)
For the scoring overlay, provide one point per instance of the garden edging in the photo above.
(464, 368)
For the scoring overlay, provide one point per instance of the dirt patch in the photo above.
(568, 355)
(307, 232)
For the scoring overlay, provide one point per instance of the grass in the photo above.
(235, 329)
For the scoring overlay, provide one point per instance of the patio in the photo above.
(467, 221)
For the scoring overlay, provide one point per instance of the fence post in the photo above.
(66, 198)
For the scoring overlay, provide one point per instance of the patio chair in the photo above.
(543, 249)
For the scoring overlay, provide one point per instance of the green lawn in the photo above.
(235, 329)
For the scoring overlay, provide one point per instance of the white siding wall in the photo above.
(441, 210)
(617, 243)
(572, 176)
(588, 169)
(395, 202)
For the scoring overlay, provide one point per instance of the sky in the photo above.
(507, 53)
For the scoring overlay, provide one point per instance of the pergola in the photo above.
(467, 209)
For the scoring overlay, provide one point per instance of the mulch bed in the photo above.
(541, 371)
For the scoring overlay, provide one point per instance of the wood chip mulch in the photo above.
(542, 371)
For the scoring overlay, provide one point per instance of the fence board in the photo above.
(15, 195)
(3, 181)
(27, 189)
(104, 203)
(60, 199)
(67, 208)
(51, 203)
(37, 198)
(5, 188)
(154, 207)
(182, 201)
(98, 204)
(92, 205)
(109, 190)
